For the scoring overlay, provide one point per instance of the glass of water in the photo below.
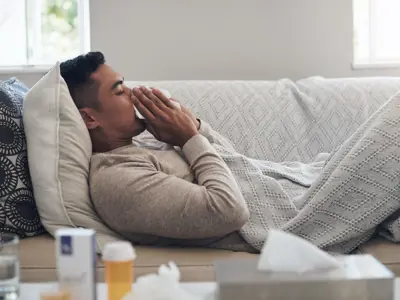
(9, 266)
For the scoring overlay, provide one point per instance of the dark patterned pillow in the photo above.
(18, 213)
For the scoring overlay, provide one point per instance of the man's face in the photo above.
(115, 114)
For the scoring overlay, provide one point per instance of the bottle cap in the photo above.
(118, 251)
(56, 295)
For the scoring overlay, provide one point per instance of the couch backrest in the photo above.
(283, 120)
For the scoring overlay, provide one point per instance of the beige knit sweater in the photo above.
(152, 193)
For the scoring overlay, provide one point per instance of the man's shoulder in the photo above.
(128, 156)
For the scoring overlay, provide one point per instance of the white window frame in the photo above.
(372, 62)
(83, 30)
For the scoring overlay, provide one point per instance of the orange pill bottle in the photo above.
(119, 259)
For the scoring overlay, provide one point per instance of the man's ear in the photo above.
(89, 118)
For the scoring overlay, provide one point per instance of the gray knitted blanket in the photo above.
(337, 202)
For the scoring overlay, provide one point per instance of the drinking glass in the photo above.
(9, 266)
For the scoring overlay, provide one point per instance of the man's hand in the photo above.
(189, 113)
(166, 122)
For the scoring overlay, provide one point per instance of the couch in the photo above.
(266, 120)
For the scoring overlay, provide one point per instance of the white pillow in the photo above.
(59, 151)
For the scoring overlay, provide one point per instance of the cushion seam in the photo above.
(58, 84)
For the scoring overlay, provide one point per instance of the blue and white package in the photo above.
(76, 262)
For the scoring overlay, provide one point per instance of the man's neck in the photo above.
(103, 146)
(102, 143)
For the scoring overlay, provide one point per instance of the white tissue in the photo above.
(161, 286)
(285, 252)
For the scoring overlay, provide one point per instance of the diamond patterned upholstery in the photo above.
(283, 120)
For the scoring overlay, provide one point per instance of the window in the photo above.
(376, 32)
(40, 32)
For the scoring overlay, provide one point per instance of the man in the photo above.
(186, 185)
(154, 193)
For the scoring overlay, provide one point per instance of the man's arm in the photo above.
(141, 199)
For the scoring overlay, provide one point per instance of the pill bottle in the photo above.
(118, 259)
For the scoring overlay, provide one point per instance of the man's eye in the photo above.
(120, 92)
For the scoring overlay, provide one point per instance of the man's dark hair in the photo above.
(76, 73)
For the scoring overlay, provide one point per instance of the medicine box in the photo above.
(76, 262)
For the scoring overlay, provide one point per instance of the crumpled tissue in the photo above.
(161, 286)
(286, 252)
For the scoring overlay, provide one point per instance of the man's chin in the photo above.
(141, 124)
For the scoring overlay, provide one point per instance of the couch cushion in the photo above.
(59, 149)
(385, 251)
(18, 213)
(38, 262)
(283, 120)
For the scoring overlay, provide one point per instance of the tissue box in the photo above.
(362, 277)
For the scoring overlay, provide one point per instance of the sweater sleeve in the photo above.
(214, 137)
(141, 199)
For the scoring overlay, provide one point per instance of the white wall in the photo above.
(226, 39)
